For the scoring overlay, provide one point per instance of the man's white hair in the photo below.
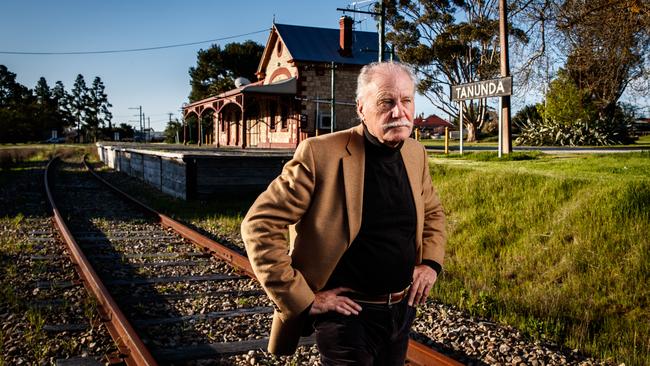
(368, 72)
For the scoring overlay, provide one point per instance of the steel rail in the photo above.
(127, 339)
(418, 354)
(227, 255)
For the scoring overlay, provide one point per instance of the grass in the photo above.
(643, 142)
(556, 246)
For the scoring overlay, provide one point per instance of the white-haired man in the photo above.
(370, 235)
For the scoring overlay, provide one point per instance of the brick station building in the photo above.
(290, 101)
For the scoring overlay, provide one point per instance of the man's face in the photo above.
(387, 107)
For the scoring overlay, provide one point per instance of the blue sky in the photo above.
(157, 80)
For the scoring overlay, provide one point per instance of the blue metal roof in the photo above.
(322, 44)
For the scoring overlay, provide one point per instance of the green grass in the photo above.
(643, 142)
(556, 246)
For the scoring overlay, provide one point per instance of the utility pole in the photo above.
(332, 106)
(506, 133)
(140, 117)
(382, 25)
(149, 128)
(382, 30)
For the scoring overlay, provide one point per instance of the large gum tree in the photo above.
(449, 42)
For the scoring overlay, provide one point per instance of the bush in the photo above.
(599, 132)
(10, 158)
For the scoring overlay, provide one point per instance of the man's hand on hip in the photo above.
(331, 301)
(423, 279)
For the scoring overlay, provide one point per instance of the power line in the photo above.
(132, 49)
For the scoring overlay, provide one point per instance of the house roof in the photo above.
(322, 44)
(432, 121)
(288, 86)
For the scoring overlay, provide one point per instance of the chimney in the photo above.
(345, 36)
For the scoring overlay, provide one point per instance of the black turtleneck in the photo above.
(382, 256)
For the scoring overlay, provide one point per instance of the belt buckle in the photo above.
(390, 296)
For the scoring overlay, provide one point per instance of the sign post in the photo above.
(504, 105)
(479, 90)
(460, 107)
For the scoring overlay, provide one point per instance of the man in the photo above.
(369, 229)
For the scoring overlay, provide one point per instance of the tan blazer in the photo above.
(321, 191)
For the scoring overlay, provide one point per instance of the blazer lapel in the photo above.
(353, 170)
(414, 172)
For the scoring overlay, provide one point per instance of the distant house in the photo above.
(642, 126)
(432, 125)
(290, 101)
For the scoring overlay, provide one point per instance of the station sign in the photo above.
(482, 89)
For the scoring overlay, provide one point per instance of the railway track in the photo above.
(166, 293)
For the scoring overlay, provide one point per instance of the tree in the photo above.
(97, 109)
(216, 69)
(12, 93)
(43, 92)
(173, 130)
(569, 118)
(449, 42)
(79, 101)
(609, 47)
(525, 115)
(126, 131)
(61, 99)
(16, 110)
(533, 61)
(566, 103)
(46, 116)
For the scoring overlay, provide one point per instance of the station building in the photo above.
(291, 98)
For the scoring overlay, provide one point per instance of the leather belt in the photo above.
(384, 299)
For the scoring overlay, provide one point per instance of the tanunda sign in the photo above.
(482, 89)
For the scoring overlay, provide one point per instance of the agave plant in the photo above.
(598, 132)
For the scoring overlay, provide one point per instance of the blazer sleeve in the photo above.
(434, 236)
(265, 233)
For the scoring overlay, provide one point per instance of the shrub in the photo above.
(599, 132)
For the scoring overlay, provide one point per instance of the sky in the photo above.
(157, 80)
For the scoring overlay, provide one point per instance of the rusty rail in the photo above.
(418, 354)
(128, 341)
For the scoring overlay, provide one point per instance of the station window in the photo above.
(273, 107)
(324, 121)
(284, 115)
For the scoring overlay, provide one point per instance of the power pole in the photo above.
(332, 106)
(506, 133)
(140, 117)
(382, 30)
(382, 25)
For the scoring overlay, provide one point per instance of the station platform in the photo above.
(190, 172)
